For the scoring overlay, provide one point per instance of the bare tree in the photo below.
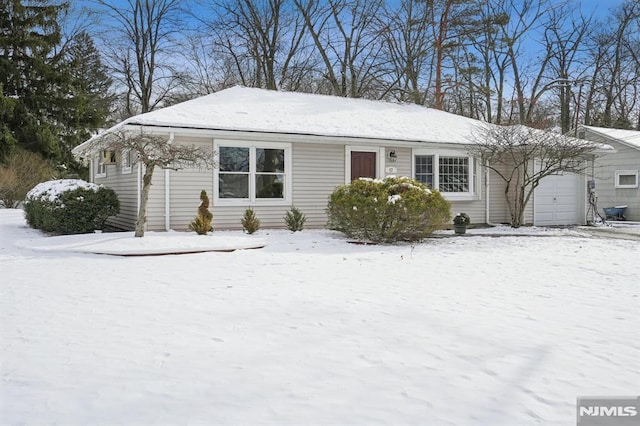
(408, 46)
(345, 35)
(151, 151)
(448, 22)
(492, 58)
(612, 97)
(261, 41)
(139, 40)
(521, 157)
(564, 35)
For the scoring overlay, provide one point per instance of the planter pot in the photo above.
(460, 229)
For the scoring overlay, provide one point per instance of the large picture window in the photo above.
(253, 173)
(451, 174)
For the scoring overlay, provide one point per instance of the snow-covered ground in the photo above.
(314, 330)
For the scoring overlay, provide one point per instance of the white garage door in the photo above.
(557, 200)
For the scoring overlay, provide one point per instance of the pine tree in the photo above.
(28, 70)
(250, 222)
(87, 103)
(53, 95)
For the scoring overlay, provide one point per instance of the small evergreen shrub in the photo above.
(202, 223)
(70, 206)
(388, 210)
(250, 222)
(295, 219)
(461, 219)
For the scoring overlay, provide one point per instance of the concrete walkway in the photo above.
(619, 230)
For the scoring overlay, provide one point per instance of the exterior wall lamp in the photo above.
(392, 156)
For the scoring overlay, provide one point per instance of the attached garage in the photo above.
(559, 200)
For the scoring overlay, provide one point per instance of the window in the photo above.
(424, 169)
(253, 173)
(450, 173)
(454, 174)
(126, 161)
(101, 167)
(626, 179)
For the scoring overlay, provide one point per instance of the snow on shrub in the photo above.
(70, 206)
(387, 210)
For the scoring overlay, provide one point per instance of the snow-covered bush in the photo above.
(70, 206)
(388, 210)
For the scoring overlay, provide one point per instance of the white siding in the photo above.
(625, 158)
(317, 171)
(403, 162)
(155, 205)
(498, 210)
(125, 187)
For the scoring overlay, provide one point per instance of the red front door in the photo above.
(363, 164)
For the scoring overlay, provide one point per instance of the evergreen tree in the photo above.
(53, 95)
(87, 101)
(28, 71)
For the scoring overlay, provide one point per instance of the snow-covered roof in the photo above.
(268, 111)
(627, 137)
(258, 110)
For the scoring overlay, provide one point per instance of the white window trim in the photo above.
(124, 154)
(473, 173)
(380, 159)
(99, 162)
(625, 173)
(253, 200)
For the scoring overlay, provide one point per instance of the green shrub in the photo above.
(202, 223)
(388, 210)
(250, 221)
(70, 206)
(295, 219)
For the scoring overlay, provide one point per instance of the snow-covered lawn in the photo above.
(314, 330)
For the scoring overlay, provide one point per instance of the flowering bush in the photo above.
(461, 219)
(387, 210)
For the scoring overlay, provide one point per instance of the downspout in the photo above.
(487, 186)
(167, 192)
(138, 186)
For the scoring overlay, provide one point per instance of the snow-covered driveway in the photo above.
(313, 330)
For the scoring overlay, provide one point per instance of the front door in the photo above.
(363, 164)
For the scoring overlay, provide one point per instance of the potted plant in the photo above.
(460, 222)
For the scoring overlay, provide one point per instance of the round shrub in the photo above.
(70, 206)
(388, 210)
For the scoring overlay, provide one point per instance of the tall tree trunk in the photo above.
(146, 188)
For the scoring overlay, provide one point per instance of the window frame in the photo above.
(125, 167)
(473, 175)
(619, 173)
(253, 200)
(101, 167)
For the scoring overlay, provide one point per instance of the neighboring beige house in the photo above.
(616, 174)
(276, 149)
